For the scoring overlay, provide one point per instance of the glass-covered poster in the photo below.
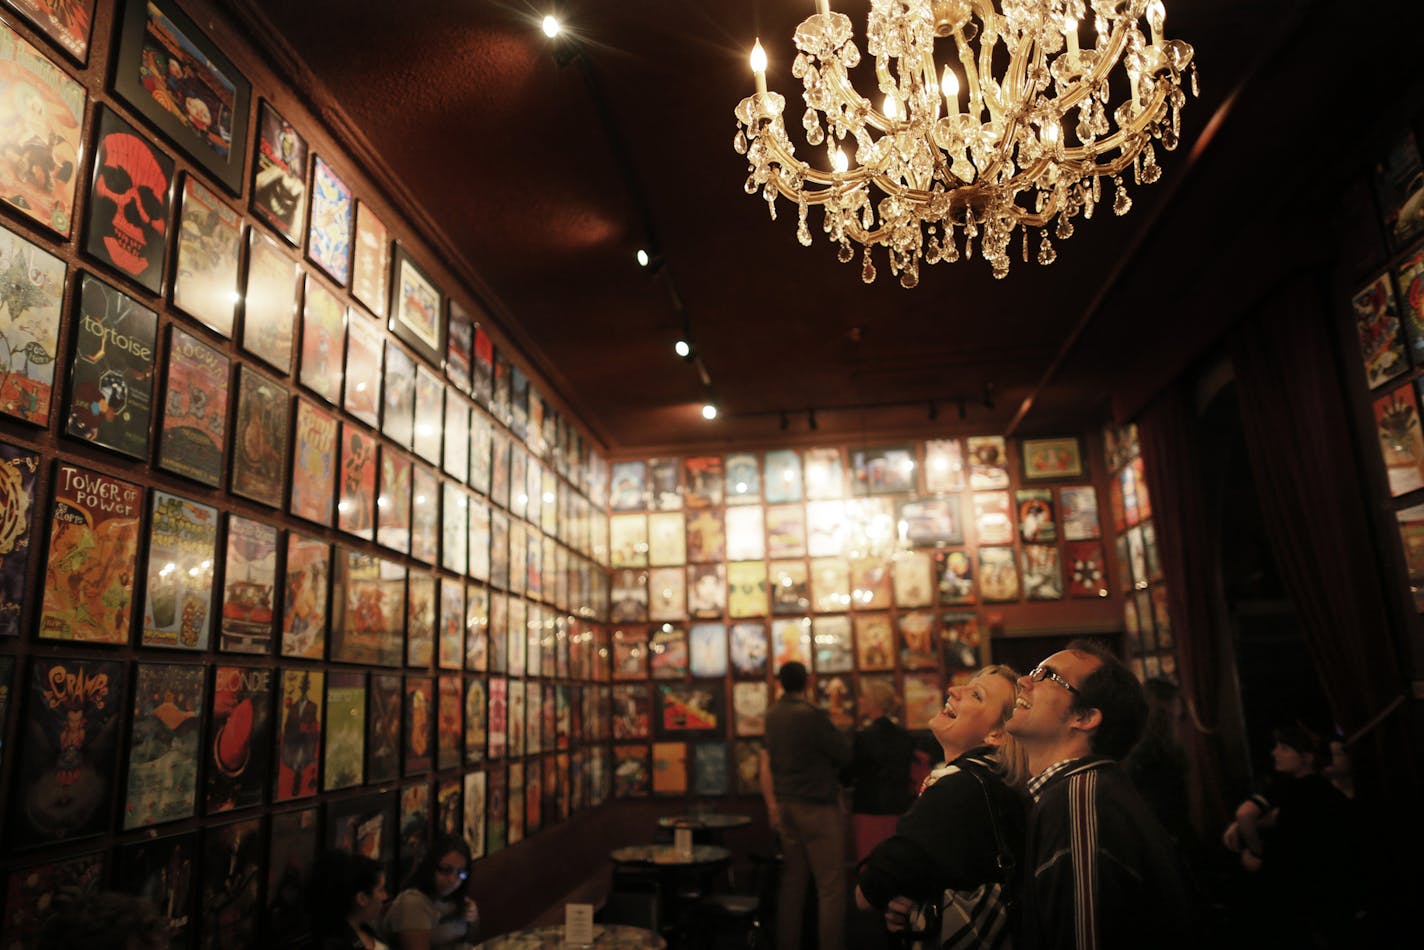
(30, 300)
(93, 552)
(111, 376)
(194, 431)
(182, 548)
(163, 749)
(18, 469)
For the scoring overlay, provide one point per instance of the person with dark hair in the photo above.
(799, 765)
(1099, 870)
(345, 898)
(434, 910)
(1157, 765)
(107, 920)
(879, 772)
(1297, 836)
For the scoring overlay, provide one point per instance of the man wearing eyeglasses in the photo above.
(1099, 871)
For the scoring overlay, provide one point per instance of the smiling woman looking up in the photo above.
(968, 821)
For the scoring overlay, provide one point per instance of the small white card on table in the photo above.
(578, 924)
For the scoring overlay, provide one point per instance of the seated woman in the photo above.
(966, 829)
(345, 898)
(433, 912)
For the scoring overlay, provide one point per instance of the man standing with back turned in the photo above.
(1099, 872)
(803, 754)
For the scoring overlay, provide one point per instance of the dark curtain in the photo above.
(1167, 430)
(1302, 456)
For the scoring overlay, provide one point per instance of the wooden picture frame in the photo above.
(215, 97)
(417, 313)
(1051, 458)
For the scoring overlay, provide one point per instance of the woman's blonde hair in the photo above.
(1010, 757)
(880, 696)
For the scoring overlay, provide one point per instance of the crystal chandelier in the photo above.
(1016, 131)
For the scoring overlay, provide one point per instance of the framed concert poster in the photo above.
(270, 304)
(239, 738)
(477, 620)
(383, 728)
(370, 260)
(290, 857)
(111, 376)
(1042, 573)
(429, 414)
(988, 467)
(398, 396)
(46, 130)
(998, 575)
(419, 724)
(669, 768)
(393, 502)
(702, 481)
(476, 724)
(1078, 507)
(836, 696)
(420, 619)
(345, 745)
(1377, 323)
(73, 707)
(877, 471)
(749, 703)
(129, 203)
(690, 708)
(178, 599)
(329, 241)
(209, 242)
(367, 609)
(230, 883)
(356, 492)
(425, 515)
(1035, 515)
(30, 892)
(457, 438)
(29, 327)
(364, 345)
(450, 632)
(194, 432)
(1051, 458)
(304, 605)
(936, 521)
(1087, 569)
(833, 644)
(151, 868)
(93, 556)
(180, 81)
(279, 176)
(459, 347)
(260, 438)
(314, 461)
(449, 718)
(323, 333)
(783, 476)
(67, 25)
(164, 747)
(249, 587)
(417, 308)
(19, 469)
(956, 577)
(944, 466)
(1410, 277)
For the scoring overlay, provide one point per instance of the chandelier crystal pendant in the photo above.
(1015, 131)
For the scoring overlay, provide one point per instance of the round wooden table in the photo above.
(606, 936)
(666, 856)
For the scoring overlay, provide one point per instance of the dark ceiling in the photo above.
(545, 177)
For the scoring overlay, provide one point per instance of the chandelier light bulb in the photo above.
(642, 257)
(709, 411)
(1045, 129)
(681, 348)
(551, 26)
(758, 57)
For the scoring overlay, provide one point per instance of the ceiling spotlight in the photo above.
(785, 424)
(811, 419)
(643, 257)
(934, 411)
(709, 411)
(682, 348)
(962, 411)
(552, 27)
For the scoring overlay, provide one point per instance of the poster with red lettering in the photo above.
(93, 553)
(64, 779)
(239, 746)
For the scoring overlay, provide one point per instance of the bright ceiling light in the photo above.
(552, 26)
(709, 411)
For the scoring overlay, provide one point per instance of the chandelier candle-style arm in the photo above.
(1012, 128)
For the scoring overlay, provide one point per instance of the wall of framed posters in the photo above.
(249, 606)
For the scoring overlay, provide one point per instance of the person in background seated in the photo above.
(879, 772)
(105, 921)
(1297, 836)
(966, 828)
(345, 898)
(799, 767)
(434, 912)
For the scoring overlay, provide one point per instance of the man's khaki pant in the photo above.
(813, 844)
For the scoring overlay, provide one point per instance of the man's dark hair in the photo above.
(1113, 691)
(792, 676)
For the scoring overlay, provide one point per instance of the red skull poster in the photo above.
(129, 204)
